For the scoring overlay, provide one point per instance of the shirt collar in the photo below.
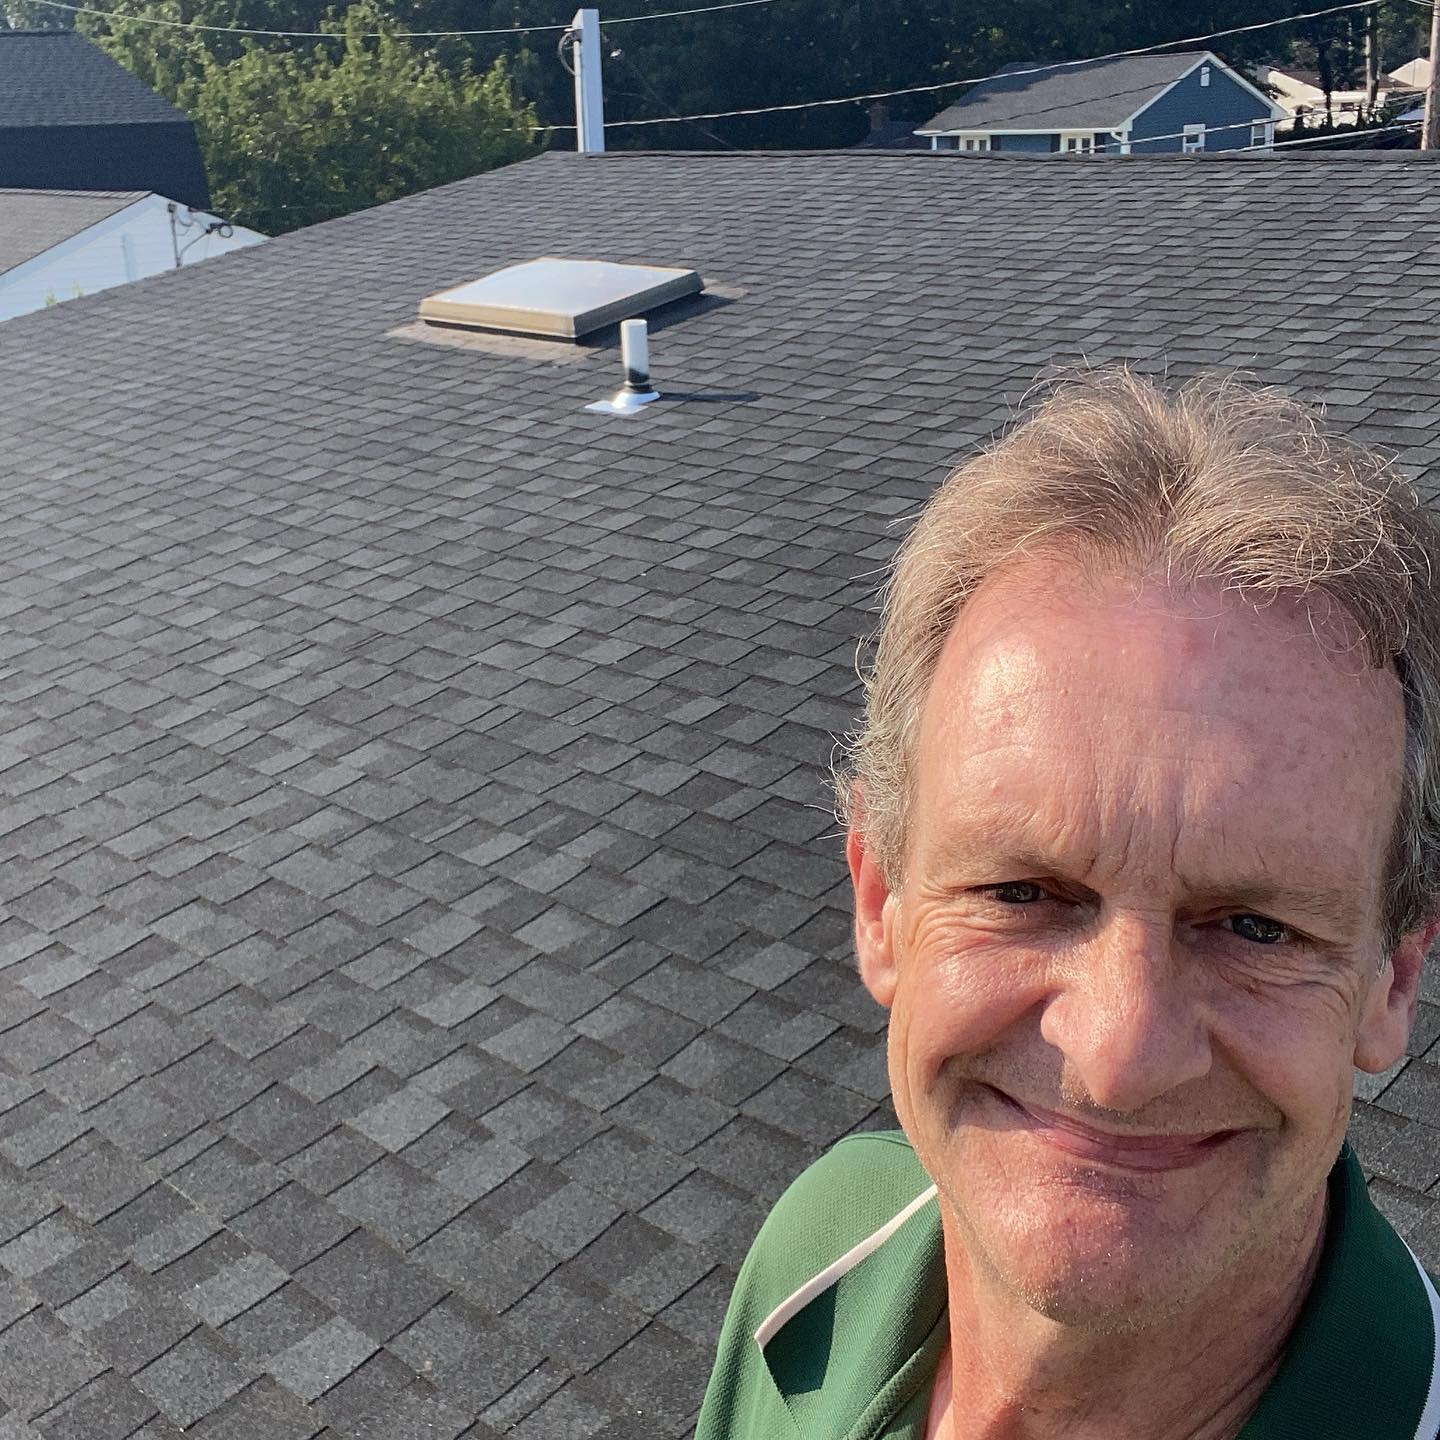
(857, 1341)
(859, 1338)
(1362, 1357)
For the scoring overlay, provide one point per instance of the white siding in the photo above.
(131, 244)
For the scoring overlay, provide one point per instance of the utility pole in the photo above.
(584, 32)
(1430, 131)
(1372, 61)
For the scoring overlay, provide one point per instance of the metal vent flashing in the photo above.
(559, 299)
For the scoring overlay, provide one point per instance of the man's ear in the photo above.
(874, 907)
(1390, 1009)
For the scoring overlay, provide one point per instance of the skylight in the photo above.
(563, 299)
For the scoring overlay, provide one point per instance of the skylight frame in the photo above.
(559, 298)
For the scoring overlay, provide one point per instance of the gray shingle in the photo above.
(292, 1226)
(322, 1359)
(241, 1284)
(41, 1365)
(368, 1284)
(416, 855)
(108, 1408)
(190, 1381)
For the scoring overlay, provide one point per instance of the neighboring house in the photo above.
(59, 244)
(1407, 86)
(71, 118)
(1413, 75)
(1140, 104)
(1302, 96)
(888, 134)
(425, 951)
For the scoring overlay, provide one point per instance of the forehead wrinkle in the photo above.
(1010, 835)
(1000, 709)
(1135, 747)
(1006, 631)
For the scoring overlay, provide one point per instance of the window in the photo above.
(1204, 75)
(1194, 139)
(974, 142)
(1259, 135)
(1077, 144)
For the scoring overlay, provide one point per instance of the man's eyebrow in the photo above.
(984, 850)
(1340, 907)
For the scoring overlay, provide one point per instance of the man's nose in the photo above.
(1126, 1018)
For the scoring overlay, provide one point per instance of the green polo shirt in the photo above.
(839, 1319)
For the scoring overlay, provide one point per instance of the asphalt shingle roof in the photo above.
(425, 951)
(57, 77)
(1098, 95)
(31, 221)
(71, 118)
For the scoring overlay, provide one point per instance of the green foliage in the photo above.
(767, 56)
(294, 137)
(299, 130)
(294, 131)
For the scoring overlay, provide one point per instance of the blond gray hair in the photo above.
(1218, 482)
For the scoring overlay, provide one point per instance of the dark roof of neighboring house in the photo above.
(74, 119)
(427, 949)
(33, 221)
(56, 77)
(1098, 94)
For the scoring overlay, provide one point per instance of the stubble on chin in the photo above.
(1106, 1252)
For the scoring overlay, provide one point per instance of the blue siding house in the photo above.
(1138, 104)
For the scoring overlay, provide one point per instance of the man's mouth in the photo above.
(1126, 1150)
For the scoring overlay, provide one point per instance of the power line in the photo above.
(671, 14)
(1277, 144)
(732, 5)
(1407, 125)
(655, 95)
(1255, 124)
(977, 79)
(380, 34)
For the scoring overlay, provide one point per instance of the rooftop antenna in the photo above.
(637, 390)
(584, 36)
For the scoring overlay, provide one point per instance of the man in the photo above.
(1143, 836)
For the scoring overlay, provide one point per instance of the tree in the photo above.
(769, 55)
(295, 137)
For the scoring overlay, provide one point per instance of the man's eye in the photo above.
(1016, 892)
(1259, 930)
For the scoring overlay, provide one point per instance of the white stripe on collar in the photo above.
(1429, 1426)
(818, 1284)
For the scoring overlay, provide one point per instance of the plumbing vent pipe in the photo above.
(635, 355)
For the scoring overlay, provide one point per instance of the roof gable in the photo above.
(56, 77)
(1094, 95)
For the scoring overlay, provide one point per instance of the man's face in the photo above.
(1137, 948)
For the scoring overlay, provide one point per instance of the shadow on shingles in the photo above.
(738, 397)
(677, 312)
